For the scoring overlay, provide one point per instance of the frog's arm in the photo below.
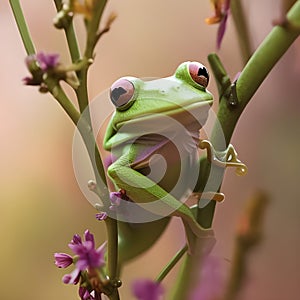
(140, 188)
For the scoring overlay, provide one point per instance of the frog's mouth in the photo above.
(195, 114)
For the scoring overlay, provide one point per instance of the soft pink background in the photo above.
(41, 205)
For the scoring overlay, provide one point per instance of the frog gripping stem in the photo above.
(224, 159)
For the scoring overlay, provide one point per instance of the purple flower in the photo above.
(211, 280)
(37, 64)
(47, 61)
(72, 278)
(222, 8)
(63, 260)
(88, 256)
(84, 294)
(76, 239)
(146, 289)
(101, 216)
(31, 81)
(115, 198)
(223, 23)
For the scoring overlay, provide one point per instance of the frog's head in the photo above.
(145, 103)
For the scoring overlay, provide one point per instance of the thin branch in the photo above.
(22, 26)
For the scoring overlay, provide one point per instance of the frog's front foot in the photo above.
(223, 159)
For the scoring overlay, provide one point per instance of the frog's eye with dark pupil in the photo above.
(121, 92)
(199, 73)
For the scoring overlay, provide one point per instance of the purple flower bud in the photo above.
(84, 294)
(89, 237)
(223, 23)
(115, 198)
(146, 289)
(221, 30)
(72, 278)
(47, 61)
(76, 239)
(101, 216)
(63, 260)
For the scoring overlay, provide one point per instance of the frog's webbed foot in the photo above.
(223, 159)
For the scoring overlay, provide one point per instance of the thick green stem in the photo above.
(22, 26)
(190, 272)
(258, 67)
(255, 71)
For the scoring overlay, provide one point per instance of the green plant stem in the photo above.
(23, 29)
(112, 247)
(93, 26)
(190, 272)
(255, 71)
(112, 253)
(82, 95)
(241, 27)
(58, 93)
(72, 42)
(80, 119)
(92, 29)
(71, 36)
(171, 264)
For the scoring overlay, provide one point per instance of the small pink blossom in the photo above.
(146, 289)
(63, 260)
(72, 278)
(47, 61)
(88, 256)
(211, 280)
(84, 294)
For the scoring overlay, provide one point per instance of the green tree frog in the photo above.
(153, 136)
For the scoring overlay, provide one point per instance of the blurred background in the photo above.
(41, 206)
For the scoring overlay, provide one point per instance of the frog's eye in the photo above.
(199, 73)
(121, 93)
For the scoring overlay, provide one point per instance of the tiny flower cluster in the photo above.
(88, 262)
(38, 64)
(43, 66)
